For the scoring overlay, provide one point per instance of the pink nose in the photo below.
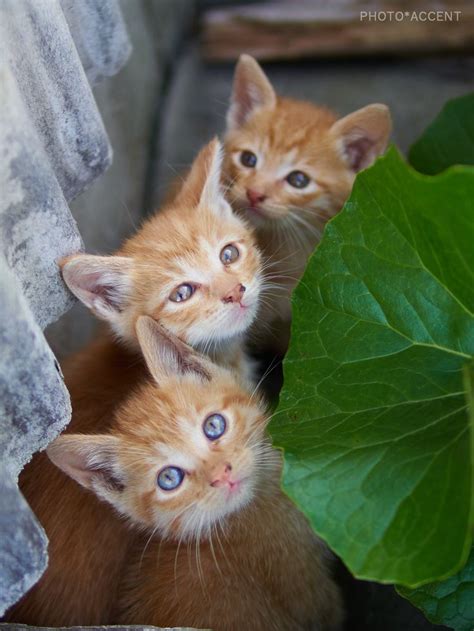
(235, 294)
(221, 475)
(255, 198)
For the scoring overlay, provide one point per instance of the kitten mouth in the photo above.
(242, 312)
(235, 488)
(241, 307)
(258, 211)
(240, 315)
(259, 216)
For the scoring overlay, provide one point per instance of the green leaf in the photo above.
(448, 140)
(450, 602)
(372, 416)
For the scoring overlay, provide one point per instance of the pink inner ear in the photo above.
(91, 287)
(106, 292)
(359, 153)
(85, 462)
(71, 462)
(251, 90)
(243, 102)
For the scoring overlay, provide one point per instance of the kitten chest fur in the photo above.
(264, 571)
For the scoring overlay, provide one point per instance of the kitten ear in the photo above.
(102, 283)
(202, 186)
(251, 90)
(210, 167)
(166, 355)
(363, 135)
(90, 460)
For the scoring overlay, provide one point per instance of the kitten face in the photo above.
(188, 450)
(194, 267)
(293, 167)
(179, 477)
(289, 160)
(201, 279)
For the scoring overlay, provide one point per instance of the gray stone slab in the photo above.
(36, 226)
(23, 556)
(52, 144)
(60, 105)
(100, 36)
(34, 402)
(34, 408)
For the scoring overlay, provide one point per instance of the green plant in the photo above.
(373, 416)
(448, 140)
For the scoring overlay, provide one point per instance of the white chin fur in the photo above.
(232, 326)
(199, 523)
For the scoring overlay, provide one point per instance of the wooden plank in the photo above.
(288, 29)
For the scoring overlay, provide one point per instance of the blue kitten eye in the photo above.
(214, 426)
(297, 179)
(170, 478)
(182, 293)
(248, 159)
(229, 254)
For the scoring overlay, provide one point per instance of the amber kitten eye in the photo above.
(229, 254)
(297, 179)
(182, 293)
(248, 159)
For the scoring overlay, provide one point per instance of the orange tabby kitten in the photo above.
(194, 267)
(188, 459)
(290, 166)
(182, 267)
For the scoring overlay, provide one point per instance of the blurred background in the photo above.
(172, 95)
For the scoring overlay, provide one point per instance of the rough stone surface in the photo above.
(36, 42)
(36, 227)
(52, 145)
(34, 402)
(100, 36)
(24, 559)
(34, 407)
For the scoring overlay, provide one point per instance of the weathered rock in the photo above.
(100, 36)
(34, 407)
(36, 43)
(52, 145)
(36, 226)
(23, 556)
